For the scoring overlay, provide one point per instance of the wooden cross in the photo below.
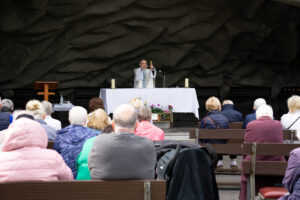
(46, 86)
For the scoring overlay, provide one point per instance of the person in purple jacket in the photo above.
(291, 179)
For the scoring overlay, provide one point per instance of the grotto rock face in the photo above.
(85, 43)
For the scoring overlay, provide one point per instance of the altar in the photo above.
(183, 100)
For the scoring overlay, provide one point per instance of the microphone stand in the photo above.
(164, 77)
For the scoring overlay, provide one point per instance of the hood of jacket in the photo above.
(24, 133)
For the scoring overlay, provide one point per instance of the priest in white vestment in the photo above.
(143, 77)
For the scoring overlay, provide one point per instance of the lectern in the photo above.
(46, 86)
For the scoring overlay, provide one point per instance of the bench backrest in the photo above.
(236, 125)
(235, 138)
(50, 145)
(271, 168)
(113, 190)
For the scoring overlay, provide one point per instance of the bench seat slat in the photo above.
(268, 168)
(113, 190)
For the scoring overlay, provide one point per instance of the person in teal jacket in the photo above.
(97, 121)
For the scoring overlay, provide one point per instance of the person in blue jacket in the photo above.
(252, 116)
(228, 110)
(214, 120)
(232, 115)
(70, 140)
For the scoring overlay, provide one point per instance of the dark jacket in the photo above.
(191, 177)
(4, 120)
(231, 114)
(122, 156)
(249, 118)
(214, 120)
(69, 142)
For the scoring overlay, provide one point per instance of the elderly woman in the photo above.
(145, 128)
(214, 120)
(291, 120)
(291, 179)
(97, 123)
(54, 123)
(69, 140)
(263, 129)
(35, 107)
(24, 156)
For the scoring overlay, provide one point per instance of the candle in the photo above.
(186, 83)
(113, 83)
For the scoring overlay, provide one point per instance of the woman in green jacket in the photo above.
(97, 121)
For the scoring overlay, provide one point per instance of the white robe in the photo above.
(150, 78)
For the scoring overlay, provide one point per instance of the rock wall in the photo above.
(85, 43)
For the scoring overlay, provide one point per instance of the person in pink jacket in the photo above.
(24, 156)
(145, 128)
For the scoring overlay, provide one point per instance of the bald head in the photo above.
(125, 117)
(227, 102)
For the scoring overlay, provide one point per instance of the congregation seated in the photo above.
(145, 128)
(37, 110)
(24, 156)
(8, 107)
(97, 103)
(291, 179)
(122, 155)
(252, 116)
(97, 123)
(291, 120)
(229, 111)
(214, 120)
(54, 123)
(263, 129)
(5, 118)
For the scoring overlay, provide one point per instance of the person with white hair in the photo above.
(69, 140)
(48, 119)
(122, 155)
(250, 117)
(36, 109)
(7, 106)
(263, 129)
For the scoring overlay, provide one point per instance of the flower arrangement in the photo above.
(165, 114)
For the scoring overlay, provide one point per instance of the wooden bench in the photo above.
(236, 125)
(50, 145)
(88, 190)
(234, 137)
(264, 168)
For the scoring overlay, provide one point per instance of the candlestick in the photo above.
(113, 83)
(186, 83)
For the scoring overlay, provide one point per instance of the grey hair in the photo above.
(145, 113)
(264, 110)
(7, 103)
(125, 117)
(47, 107)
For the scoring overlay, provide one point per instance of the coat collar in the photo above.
(228, 107)
(213, 112)
(264, 118)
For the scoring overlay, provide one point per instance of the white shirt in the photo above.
(139, 77)
(56, 124)
(288, 119)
